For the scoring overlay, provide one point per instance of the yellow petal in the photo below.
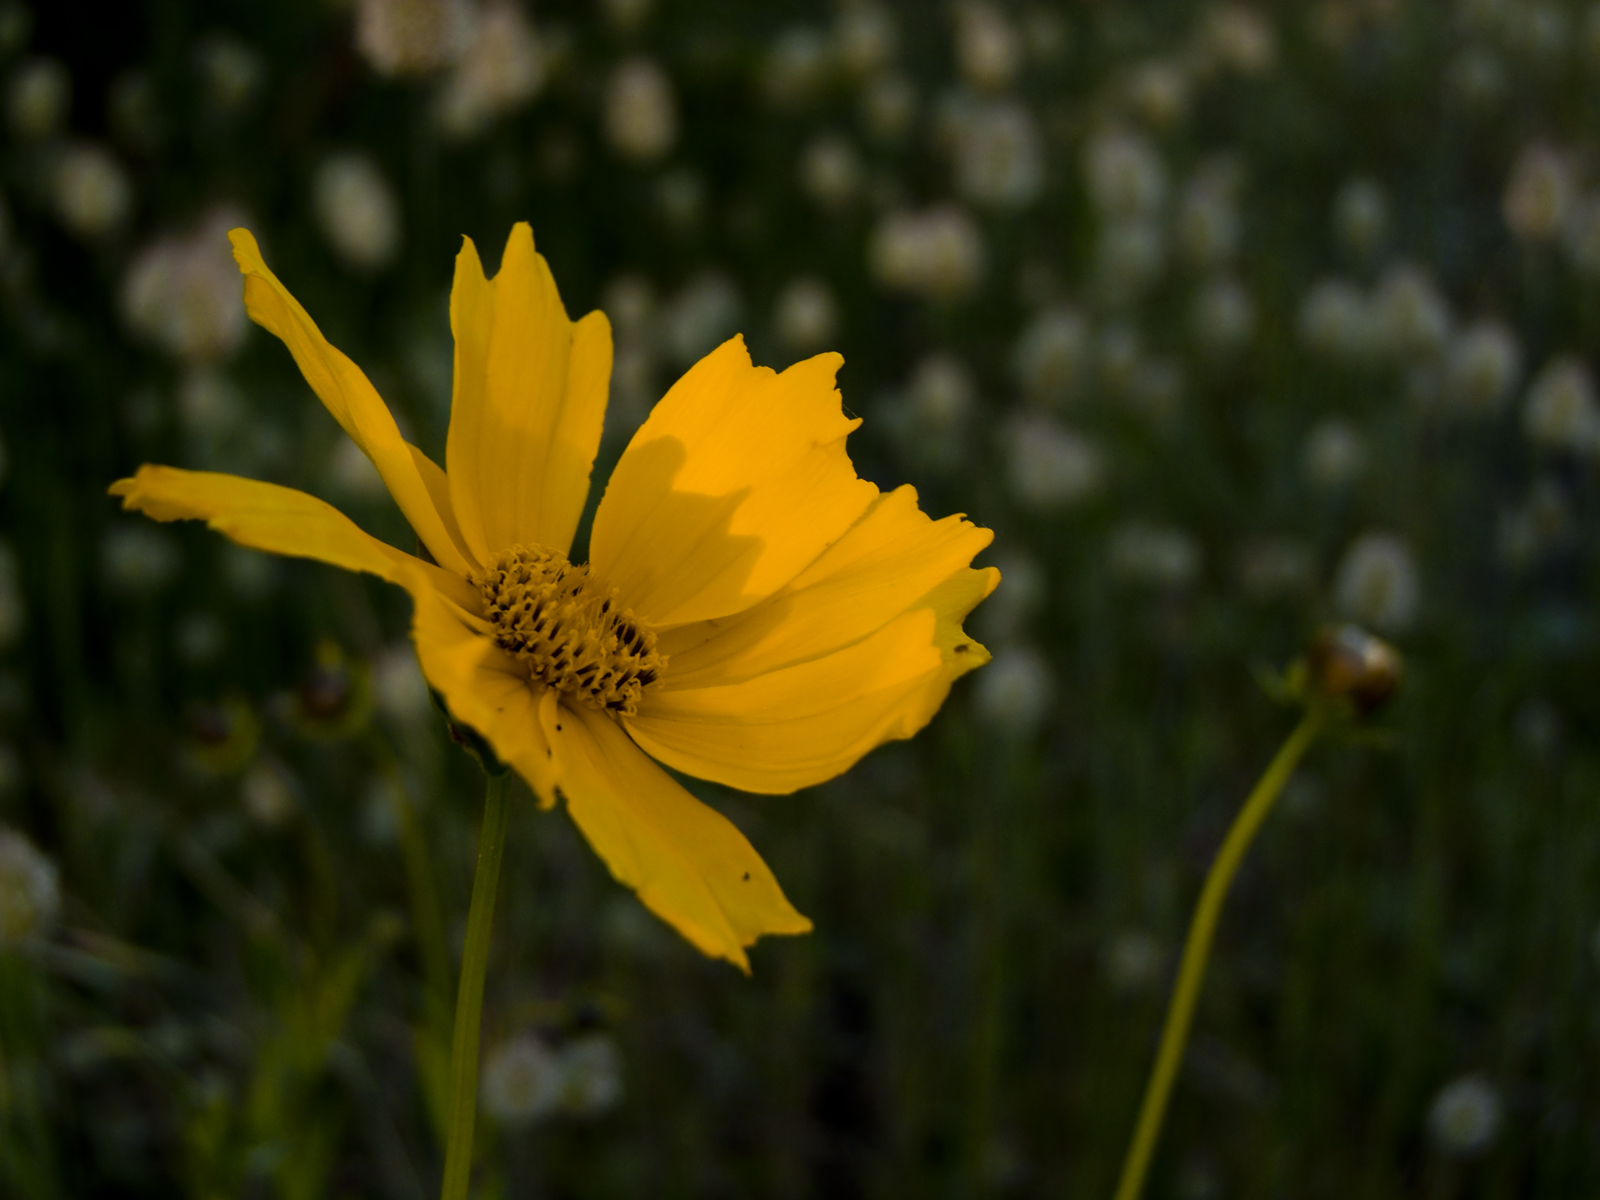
(860, 648)
(480, 683)
(349, 396)
(530, 397)
(688, 863)
(734, 485)
(803, 724)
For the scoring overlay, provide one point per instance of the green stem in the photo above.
(1197, 949)
(469, 999)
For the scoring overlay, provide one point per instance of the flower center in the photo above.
(567, 628)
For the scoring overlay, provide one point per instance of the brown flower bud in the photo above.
(1348, 661)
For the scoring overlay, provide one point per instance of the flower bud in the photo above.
(1348, 661)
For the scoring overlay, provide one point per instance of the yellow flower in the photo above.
(752, 612)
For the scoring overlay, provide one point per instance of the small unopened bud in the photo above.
(1348, 661)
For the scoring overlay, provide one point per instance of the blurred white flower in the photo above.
(1479, 77)
(1224, 316)
(251, 574)
(988, 48)
(90, 191)
(198, 638)
(641, 111)
(30, 894)
(1412, 318)
(209, 406)
(937, 253)
(830, 170)
(1465, 1116)
(1335, 454)
(231, 72)
(137, 558)
(13, 610)
(591, 1075)
(1208, 224)
(806, 316)
(1159, 92)
(700, 317)
(1583, 235)
(412, 37)
(1134, 961)
(1005, 615)
(351, 475)
(1049, 466)
(1377, 583)
(797, 67)
(502, 67)
(1336, 320)
(1155, 390)
(627, 16)
(864, 37)
(1482, 368)
(356, 210)
(1237, 38)
(37, 98)
(1015, 691)
(182, 291)
(1130, 255)
(888, 106)
(268, 793)
(999, 158)
(1539, 193)
(522, 1082)
(929, 422)
(1126, 176)
(1561, 412)
(629, 303)
(1270, 567)
(1157, 555)
(1052, 354)
(1361, 215)
(398, 688)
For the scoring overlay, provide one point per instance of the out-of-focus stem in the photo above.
(1197, 949)
(469, 998)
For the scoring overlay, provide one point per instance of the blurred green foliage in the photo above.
(1078, 258)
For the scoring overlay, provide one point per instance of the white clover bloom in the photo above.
(138, 559)
(1224, 315)
(806, 316)
(502, 67)
(1412, 318)
(988, 48)
(1049, 466)
(91, 192)
(999, 157)
(1336, 320)
(1237, 38)
(937, 253)
(1015, 691)
(1134, 961)
(1335, 454)
(797, 67)
(398, 688)
(182, 292)
(1208, 225)
(1482, 368)
(30, 893)
(1465, 1116)
(830, 170)
(630, 304)
(1159, 91)
(640, 111)
(591, 1075)
(1561, 412)
(1050, 357)
(1006, 614)
(522, 1082)
(412, 37)
(37, 98)
(1126, 176)
(703, 314)
(1157, 555)
(1361, 215)
(1539, 194)
(929, 422)
(351, 476)
(13, 609)
(356, 210)
(1377, 583)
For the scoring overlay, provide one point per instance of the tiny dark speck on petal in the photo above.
(558, 729)
(963, 648)
(747, 877)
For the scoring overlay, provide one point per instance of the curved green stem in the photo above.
(1197, 949)
(469, 998)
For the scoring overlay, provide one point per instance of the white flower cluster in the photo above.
(526, 1081)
